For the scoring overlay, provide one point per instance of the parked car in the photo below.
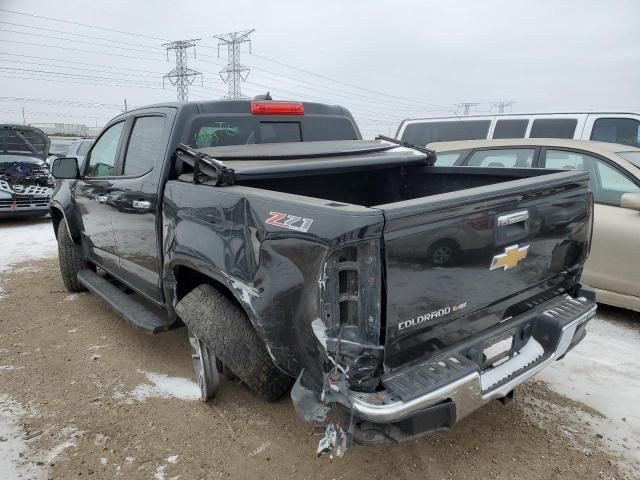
(298, 260)
(600, 126)
(615, 182)
(79, 149)
(59, 147)
(25, 182)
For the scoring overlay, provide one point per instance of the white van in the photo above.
(602, 126)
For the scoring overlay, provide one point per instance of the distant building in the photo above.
(67, 129)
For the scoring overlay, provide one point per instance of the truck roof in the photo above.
(244, 106)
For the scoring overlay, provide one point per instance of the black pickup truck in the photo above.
(313, 259)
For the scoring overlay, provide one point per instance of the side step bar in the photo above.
(134, 311)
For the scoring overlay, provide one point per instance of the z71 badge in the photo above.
(291, 222)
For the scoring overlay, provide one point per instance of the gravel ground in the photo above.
(84, 394)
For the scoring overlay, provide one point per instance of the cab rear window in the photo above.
(220, 131)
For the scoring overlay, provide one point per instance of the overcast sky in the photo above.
(414, 58)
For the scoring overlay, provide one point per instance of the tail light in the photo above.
(350, 305)
(277, 108)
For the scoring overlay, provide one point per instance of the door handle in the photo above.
(512, 218)
(102, 198)
(141, 204)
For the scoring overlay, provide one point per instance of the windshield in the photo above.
(60, 146)
(633, 157)
(246, 130)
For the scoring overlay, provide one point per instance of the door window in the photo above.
(103, 156)
(617, 130)
(145, 145)
(553, 128)
(510, 158)
(512, 128)
(607, 182)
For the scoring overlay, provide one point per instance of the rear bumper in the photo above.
(556, 331)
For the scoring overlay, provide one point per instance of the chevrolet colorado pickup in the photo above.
(309, 260)
(25, 183)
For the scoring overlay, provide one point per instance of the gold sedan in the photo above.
(613, 268)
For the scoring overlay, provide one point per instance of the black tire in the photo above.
(224, 327)
(71, 262)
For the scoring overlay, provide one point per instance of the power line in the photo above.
(234, 73)
(181, 76)
(81, 24)
(71, 103)
(444, 107)
(25, 62)
(74, 75)
(76, 34)
(69, 49)
(82, 42)
(79, 63)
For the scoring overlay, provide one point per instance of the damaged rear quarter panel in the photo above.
(272, 271)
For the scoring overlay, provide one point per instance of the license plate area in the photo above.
(497, 349)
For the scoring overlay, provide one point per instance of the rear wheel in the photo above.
(70, 259)
(204, 367)
(223, 327)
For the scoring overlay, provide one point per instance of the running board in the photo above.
(132, 309)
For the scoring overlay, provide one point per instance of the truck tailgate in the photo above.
(461, 262)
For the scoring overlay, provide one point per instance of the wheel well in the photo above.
(187, 279)
(56, 218)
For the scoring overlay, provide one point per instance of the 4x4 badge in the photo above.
(510, 258)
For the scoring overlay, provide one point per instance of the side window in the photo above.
(553, 128)
(424, 133)
(607, 182)
(617, 130)
(103, 155)
(613, 184)
(510, 158)
(145, 145)
(447, 159)
(510, 128)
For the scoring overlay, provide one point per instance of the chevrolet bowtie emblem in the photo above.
(510, 258)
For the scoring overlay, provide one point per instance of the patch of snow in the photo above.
(71, 434)
(72, 297)
(172, 459)
(161, 386)
(98, 347)
(260, 449)
(129, 460)
(73, 330)
(161, 472)
(14, 463)
(103, 461)
(26, 240)
(1, 293)
(603, 372)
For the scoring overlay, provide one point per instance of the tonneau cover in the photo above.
(295, 157)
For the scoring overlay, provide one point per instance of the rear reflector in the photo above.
(277, 108)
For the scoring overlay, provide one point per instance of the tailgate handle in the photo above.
(512, 218)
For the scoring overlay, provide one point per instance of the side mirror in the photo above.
(630, 200)
(65, 168)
